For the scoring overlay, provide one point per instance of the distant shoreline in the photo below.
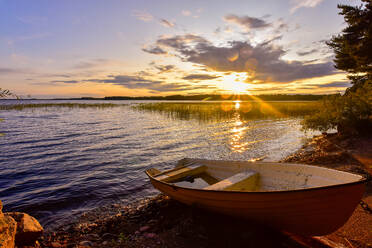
(279, 97)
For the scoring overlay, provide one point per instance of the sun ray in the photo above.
(266, 107)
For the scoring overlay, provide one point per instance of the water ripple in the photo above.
(54, 165)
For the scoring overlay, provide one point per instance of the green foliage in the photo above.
(350, 113)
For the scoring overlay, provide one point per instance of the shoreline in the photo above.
(163, 222)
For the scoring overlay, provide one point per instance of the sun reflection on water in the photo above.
(237, 134)
(237, 105)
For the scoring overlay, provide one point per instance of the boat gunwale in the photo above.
(362, 180)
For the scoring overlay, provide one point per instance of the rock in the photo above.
(92, 236)
(144, 228)
(152, 221)
(8, 227)
(108, 236)
(28, 228)
(55, 245)
(1, 210)
(150, 235)
(329, 147)
(86, 243)
(71, 245)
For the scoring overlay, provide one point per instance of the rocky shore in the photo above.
(163, 222)
(18, 230)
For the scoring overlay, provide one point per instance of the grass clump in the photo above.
(215, 111)
(59, 105)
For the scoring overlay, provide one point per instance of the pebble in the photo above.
(56, 245)
(150, 235)
(152, 221)
(144, 228)
(108, 236)
(92, 236)
(86, 243)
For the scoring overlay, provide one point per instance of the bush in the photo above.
(350, 114)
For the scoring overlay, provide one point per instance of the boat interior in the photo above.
(250, 176)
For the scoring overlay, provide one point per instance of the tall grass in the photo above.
(214, 111)
(59, 105)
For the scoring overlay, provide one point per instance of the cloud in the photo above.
(137, 82)
(65, 81)
(297, 4)
(337, 84)
(131, 82)
(304, 53)
(268, 89)
(247, 22)
(164, 68)
(280, 26)
(262, 62)
(57, 75)
(182, 42)
(5, 70)
(93, 63)
(186, 13)
(154, 50)
(199, 77)
(143, 15)
(166, 23)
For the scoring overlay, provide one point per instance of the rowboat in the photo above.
(297, 198)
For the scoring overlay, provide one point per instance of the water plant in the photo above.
(214, 111)
(58, 105)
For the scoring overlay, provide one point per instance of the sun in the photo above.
(234, 83)
(239, 87)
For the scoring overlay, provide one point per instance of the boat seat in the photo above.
(243, 181)
(178, 173)
(153, 171)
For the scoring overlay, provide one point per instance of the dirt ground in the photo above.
(352, 155)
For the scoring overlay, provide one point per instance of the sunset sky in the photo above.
(101, 48)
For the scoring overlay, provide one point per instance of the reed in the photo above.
(59, 105)
(214, 111)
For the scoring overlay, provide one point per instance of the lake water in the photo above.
(57, 162)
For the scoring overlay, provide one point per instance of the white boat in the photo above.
(297, 198)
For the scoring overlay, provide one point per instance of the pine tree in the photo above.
(350, 113)
(353, 47)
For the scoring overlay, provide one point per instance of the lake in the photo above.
(57, 162)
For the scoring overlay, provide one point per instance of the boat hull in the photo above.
(316, 211)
